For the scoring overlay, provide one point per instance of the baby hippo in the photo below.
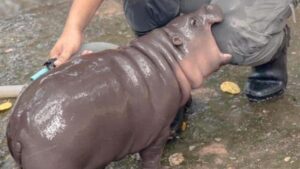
(98, 108)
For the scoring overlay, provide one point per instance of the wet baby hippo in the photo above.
(98, 108)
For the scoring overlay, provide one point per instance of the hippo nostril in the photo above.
(210, 7)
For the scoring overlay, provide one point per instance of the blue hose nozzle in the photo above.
(40, 73)
(47, 66)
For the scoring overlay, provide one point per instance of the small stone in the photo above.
(176, 159)
(9, 50)
(287, 159)
(218, 139)
(136, 156)
(233, 106)
(232, 158)
(192, 148)
(239, 129)
(219, 161)
(215, 149)
(183, 126)
(294, 53)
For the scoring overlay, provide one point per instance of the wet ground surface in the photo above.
(224, 131)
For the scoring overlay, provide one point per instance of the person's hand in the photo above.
(67, 45)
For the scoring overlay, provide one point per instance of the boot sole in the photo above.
(256, 99)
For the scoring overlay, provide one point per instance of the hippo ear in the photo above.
(176, 40)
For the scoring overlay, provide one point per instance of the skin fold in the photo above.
(115, 102)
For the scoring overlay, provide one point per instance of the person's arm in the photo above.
(70, 40)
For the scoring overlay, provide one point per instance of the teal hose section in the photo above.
(40, 73)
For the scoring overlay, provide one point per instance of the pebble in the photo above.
(219, 161)
(176, 159)
(136, 157)
(9, 50)
(232, 158)
(294, 53)
(287, 159)
(218, 139)
(192, 148)
(215, 148)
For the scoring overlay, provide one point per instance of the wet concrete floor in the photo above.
(224, 131)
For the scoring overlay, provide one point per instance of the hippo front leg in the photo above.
(151, 155)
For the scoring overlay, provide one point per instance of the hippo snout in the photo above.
(213, 13)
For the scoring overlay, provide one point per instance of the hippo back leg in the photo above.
(48, 161)
(151, 155)
(35, 154)
(41, 161)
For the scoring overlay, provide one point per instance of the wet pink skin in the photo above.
(202, 54)
(116, 102)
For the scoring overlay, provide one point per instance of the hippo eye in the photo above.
(196, 21)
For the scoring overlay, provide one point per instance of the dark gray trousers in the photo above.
(146, 15)
(253, 28)
(252, 31)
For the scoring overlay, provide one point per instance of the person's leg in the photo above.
(145, 15)
(187, 6)
(256, 35)
(269, 80)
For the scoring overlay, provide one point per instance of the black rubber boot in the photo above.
(269, 80)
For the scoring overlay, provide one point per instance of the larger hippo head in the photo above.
(191, 34)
